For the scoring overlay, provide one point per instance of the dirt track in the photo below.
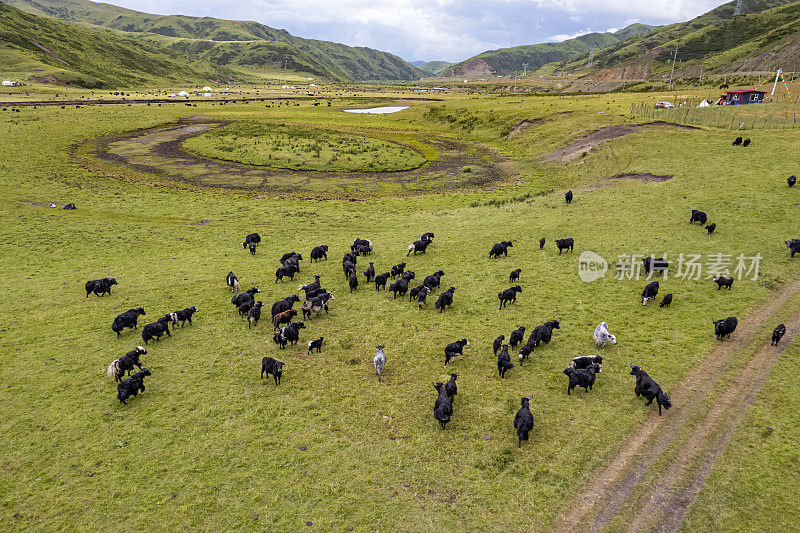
(621, 483)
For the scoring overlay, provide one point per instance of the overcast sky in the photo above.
(449, 30)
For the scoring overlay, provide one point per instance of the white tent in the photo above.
(8, 83)
(704, 103)
(183, 93)
(207, 89)
(206, 94)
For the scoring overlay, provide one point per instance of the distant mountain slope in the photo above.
(433, 67)
(510, 60)
(718, 40)
(59, 52)
(229, 39)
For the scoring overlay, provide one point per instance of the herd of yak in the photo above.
(581, 372)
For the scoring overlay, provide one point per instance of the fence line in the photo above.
(768, 115)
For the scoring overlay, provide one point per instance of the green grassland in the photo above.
(209, 446)
(302, 148)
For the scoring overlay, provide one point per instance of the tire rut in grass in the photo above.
(600, 500)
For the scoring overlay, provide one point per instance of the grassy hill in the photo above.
(509, 60)
(62, 53)
(433, 67)
(235, 43)
(719, 40)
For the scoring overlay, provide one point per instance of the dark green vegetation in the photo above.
(239, 45)
(510, 60)
(302, 147)
(53, 51)
(434, 67)
(210, 446)
(763, 38)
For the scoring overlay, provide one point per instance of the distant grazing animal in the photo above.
(252, 247)
(422, 297)
(655, 265)
(315, 345)
(509, 295)
(232, 281)
(379, 361)
(723, 281)
(541, 243)
(353, 282)
(517, 336)
(737, 141)
(581, 377)
(420, 246)
(284, 271)
(523, 421)
(288, 334)
(585, 361)
(454, 349)
(724, 328)
(380, 280)
(272, 366)
(318, 252)
(498, 342)
(443, 406)
(253, 238)
(501, 248)
(445, 299)
(647, 387)
(602, 336)
(369, 273)
(311, 287)
(244, 309)
(132, 386)
(667, 300)
(514, 276)
(427, 236)
(504, 361)
(361, 242)
(284, 305)
(254, 315)
(100, 286)
(154, 330)
(117, 369)
(777, 334)
(398, 270)
(291, 256)
(650, 291)
(565, 244)
(450, 387)
(792, 180)
(746, 143)
(543, 333)
(413, 293)
(525, 352)
(793, 246)
(248, 295)
(185, 314)
(698, 216)
(711, 227)
(568, 197)
(399, 287)
(283, 318)
(127, 319)
(434, 280)
(363, 249)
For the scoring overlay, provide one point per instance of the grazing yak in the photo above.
(523, 421)
(127, 319)
(698, 216)
(509, 295)
(100, 286)
(379, 361)
(454, 349)
(568, 197)
(565, 244)
(501, 248)
(581, 377)
(443, 406)
(723, 328)
(723, 281)
(793, 246)
(647, 387)
(504, 361)
(132, 386)
(666, 301)
(778, 333)
(650, 291)
(602, 336)
(585, 361)
(792, 180)
(272, 366)
(711, 227)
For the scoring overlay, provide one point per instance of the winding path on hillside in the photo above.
(662, 467)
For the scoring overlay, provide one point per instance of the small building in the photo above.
(742, 96)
